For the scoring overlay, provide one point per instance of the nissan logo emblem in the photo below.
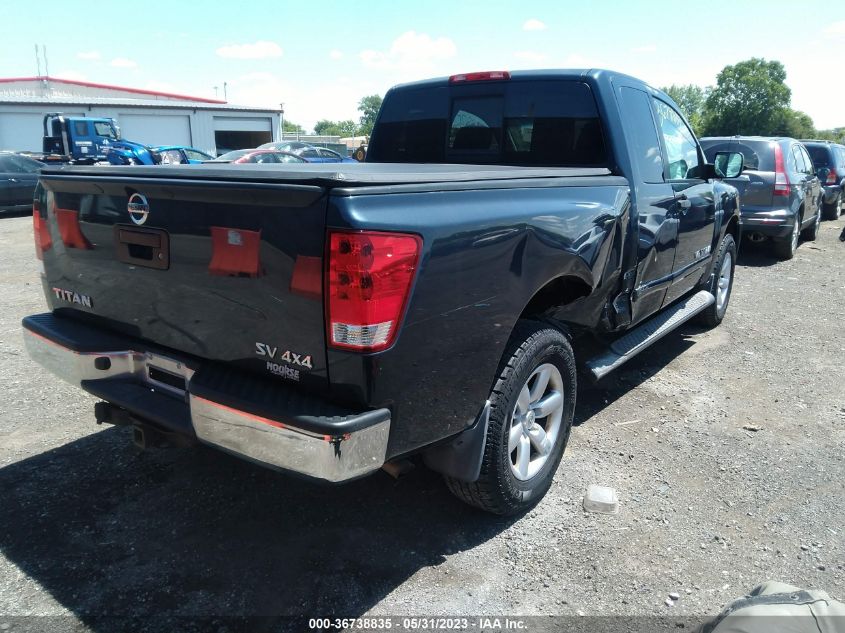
(138, 208)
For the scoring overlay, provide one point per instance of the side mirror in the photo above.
(728, 164)
(823, 173)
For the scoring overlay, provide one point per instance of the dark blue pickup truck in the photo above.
(328, 319)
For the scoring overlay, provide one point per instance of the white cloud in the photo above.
(532, 57)
(336, 54)
(305, 102)
(88, 55)
(835, 28)
(122, 62)
(534, 25)
(257, 50)
(411, 51)
(645, 48)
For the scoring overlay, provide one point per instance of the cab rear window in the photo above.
(532, 123)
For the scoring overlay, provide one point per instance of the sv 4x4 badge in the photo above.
(276, 358)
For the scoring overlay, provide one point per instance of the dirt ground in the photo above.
(91, 528)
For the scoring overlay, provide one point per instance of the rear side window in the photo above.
(539, 123)
(80, 128)
(821, 155)
(757, 155)
(645, 147)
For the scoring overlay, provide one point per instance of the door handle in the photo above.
(13, 180)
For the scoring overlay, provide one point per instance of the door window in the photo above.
(645, 146)
(104, 129)
(681, 148)
(193, 154)
(798, 164)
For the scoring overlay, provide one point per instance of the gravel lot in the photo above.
(90, 528)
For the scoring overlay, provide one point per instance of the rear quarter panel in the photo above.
(485, 254)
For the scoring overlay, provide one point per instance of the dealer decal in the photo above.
(73, 297)
(284, 363)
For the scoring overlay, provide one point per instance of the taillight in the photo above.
(40, 231)
(367, 287)
(781, 179)
(832, 177)
(489, 75)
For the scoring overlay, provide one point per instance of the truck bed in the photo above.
(332, 175)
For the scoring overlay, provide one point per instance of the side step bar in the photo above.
(626, 347)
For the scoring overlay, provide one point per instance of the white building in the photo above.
(144, 116)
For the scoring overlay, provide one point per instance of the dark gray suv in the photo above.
(831, 156)
(779, 193)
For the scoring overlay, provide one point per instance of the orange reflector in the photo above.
(235, 252)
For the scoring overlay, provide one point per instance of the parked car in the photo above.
(18, 177)
(285, 146)
(241, 156)
(347, 316)
(830, 156)
(179, 155)
(779, 190)
(321, 155)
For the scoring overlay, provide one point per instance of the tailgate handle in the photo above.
(138, 237)
(149, 248)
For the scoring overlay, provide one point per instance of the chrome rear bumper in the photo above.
(333, 448)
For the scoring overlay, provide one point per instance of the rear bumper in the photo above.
(775, 223)
(262, 421)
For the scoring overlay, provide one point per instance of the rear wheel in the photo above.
(531, 410)
(785, 248)
(812, 231)
(833, 211)
(720, 283)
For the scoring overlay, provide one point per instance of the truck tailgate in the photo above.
(225, 271)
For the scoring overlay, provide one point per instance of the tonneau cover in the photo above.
(341, 174)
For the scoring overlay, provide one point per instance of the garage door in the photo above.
(242, 124)
(156, 129)
(22, 131)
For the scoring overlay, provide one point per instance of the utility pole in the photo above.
(225, 96)
(281, 121)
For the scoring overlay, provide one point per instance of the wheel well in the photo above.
(733, 228)
(560, 291)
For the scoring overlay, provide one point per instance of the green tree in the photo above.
(368, 107)
(795, 124)
(336, 128)
(293, 128)
(749, 98)
(690, 98)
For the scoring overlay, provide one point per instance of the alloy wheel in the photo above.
(536, 421)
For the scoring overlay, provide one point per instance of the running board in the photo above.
(625, 348)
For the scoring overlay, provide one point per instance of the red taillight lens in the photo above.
(40, 231)
(832, 177)
(367, 287)
(781, 179)
(488, 75)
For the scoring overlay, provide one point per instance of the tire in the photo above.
(785, 248)
(720, 284)
(809, 234)
(507, 484)
(833, 211)
(360, 154)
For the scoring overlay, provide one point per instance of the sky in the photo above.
(320, 57)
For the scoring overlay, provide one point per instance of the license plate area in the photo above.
(167, 374)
